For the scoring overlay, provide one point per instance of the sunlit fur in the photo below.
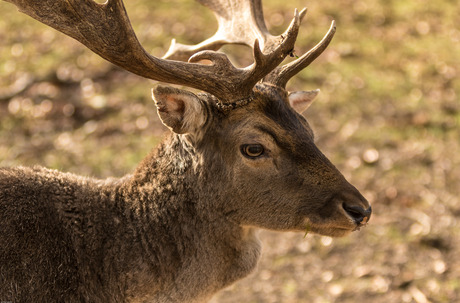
(183, 224)
(292, 182)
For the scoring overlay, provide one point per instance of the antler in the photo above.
(281, 75)
(239, 22)
(106, 30)
(242, 22)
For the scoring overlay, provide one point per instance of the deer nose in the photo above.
(358, 213)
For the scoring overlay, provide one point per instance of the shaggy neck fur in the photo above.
(140, 238)
(180, 232)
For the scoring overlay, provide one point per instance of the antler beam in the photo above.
(106, 30)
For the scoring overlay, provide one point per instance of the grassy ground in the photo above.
(388, 117)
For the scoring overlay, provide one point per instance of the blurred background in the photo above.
(388, 116)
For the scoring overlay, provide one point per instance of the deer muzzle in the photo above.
(357, 209)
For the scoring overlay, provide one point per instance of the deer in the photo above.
(239, 157)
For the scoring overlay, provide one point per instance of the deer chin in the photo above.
(330, 230)
(335, 232)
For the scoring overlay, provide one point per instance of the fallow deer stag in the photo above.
(183, 225)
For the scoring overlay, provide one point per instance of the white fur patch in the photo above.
(302, 100)
(180, 110)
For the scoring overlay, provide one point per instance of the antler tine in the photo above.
(281, 75)
(182, 52)
(265, 63)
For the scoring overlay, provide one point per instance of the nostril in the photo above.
(357, 213)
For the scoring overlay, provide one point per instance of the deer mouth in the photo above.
(335, 232)
(330, 229)
(335, 227)
(347, 219)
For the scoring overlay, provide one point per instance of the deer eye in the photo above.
(252, 150)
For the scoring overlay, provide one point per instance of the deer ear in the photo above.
(179, 110)
(300, 101)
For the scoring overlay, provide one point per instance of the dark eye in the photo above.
(252, 150)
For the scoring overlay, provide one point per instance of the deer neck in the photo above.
(173, 181)
(178, 226)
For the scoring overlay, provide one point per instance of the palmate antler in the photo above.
(242, 22)
(239, 22)
(106, 30)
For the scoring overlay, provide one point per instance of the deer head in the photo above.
(262, 167)
(247, 129)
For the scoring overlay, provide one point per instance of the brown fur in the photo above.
(183, 225)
